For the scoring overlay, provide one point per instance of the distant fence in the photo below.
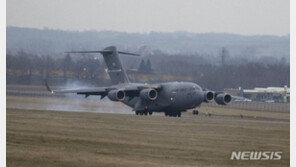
(256, 106)
(40, 91)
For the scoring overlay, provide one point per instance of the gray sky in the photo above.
(246, 17)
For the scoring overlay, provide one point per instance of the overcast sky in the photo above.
(248, 17)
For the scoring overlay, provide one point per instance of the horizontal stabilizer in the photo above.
(98, 51)
(104, 51)
(126, 53)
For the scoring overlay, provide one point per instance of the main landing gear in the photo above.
(173, 114)
(143, 112)
(195, 112)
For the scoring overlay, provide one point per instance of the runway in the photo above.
(94, 105)
(54, 131)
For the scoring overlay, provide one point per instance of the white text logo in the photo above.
(256, 155)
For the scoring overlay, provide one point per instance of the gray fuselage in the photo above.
(174, 96)
(171, 97)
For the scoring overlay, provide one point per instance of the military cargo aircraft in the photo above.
(172, 98)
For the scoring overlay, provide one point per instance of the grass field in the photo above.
(37, 137)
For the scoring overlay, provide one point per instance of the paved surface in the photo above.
(94, 105)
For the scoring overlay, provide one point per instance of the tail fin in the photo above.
(114, 67)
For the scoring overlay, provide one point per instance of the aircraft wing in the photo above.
(103, 91)
(93, 91)
(152, 86)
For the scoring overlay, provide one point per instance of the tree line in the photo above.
(25, 68)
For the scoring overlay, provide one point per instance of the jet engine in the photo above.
(208, 96)
(148, 94)
(223, 98)
(116, 95)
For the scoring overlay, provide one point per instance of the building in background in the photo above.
(269, 94)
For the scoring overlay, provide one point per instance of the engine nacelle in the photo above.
(116, 95)
(208, 96)
(223, 99)
(148, 94)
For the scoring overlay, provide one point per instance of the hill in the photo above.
(55, 42)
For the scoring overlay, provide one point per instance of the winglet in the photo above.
(47, 87)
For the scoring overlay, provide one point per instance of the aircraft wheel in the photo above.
(150, 112)
(145, 112)
(166, 113)
(195, 112)
(141, 112)
(179, 114)
(137, 112)
(173, 114)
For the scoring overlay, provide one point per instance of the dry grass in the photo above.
(48, 138)
(231, 112)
